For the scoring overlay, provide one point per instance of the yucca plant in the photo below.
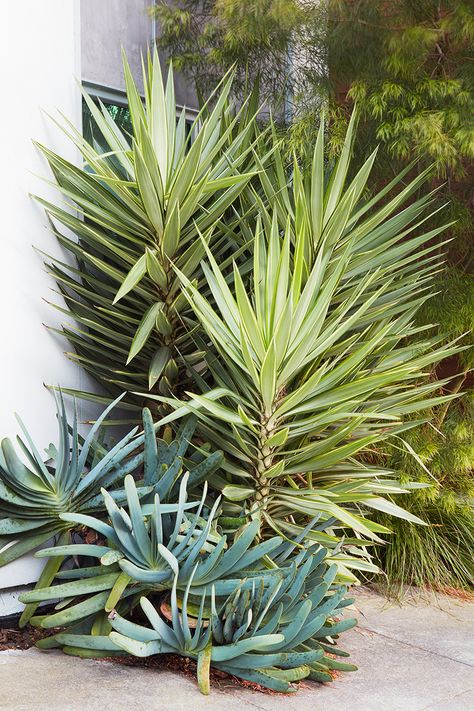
(311, 363)
(142, 200)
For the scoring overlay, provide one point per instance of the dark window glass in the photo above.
(119, 113)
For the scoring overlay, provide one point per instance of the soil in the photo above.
(11, 638)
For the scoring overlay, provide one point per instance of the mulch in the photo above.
(11, 638)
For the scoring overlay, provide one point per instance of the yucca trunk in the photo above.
(264, 463)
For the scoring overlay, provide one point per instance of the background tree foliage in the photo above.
(409, 67)
(206, 37)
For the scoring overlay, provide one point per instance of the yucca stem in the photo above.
(264, 462)
(169, 335)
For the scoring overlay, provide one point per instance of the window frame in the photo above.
(112, 95)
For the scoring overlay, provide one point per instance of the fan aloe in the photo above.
(272, 634)
(311, 362)
(34, 497)
(141, 202)
(144, 547)
(37, 501)
(270, 623)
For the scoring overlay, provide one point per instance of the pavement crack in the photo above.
(251, 703)
(416, 646)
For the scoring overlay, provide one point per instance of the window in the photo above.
(115, 102)
(120, 114)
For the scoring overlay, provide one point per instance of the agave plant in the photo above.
(142, 200)
(312, 365)
(34, 495)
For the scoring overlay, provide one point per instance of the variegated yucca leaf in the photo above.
(313, 364)
(140, 203)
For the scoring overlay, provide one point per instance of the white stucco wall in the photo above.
(39, 64)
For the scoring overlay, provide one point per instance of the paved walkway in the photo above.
(419, 657)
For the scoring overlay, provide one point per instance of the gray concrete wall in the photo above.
(39, 50)
(106, 27)
(184, 92)
(109, 25)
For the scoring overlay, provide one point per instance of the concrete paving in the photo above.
(419, 657)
